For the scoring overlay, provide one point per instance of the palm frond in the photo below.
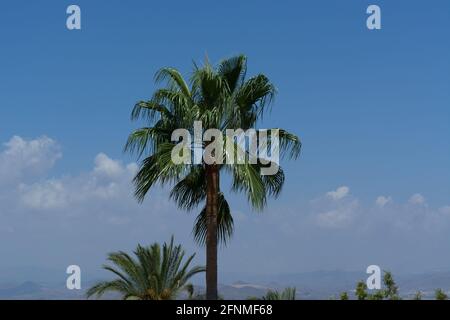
(103, 287)
(146, 140)
(175, 79)
(289, 144)
(247, 178)
(155, 274)
(252, 99)
(233, 70)
(225, 223)
(158, 167)
(190, 191)
(149, 110)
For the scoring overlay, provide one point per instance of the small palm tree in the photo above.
(439, 294)
(361, 291)
(343, 296)
(390, 291)
(286, 294)
(417, 296)
(155, 275)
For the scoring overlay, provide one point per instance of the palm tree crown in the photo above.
(155, 274)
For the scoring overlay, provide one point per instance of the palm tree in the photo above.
(286, 294)
(439, 294)
(221, 98)
(391, 289)
(361, 291)
(417, 296)
(343, 296)
(155, 275)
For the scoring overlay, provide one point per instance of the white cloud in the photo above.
(109, 180)
(47, 195)
(24, 165)
(77, 217)
(339, 193)
(83, 216)
(24, 159)
(337, 209)
(382, 201)
(104, 166)
(339, 217)
(105, 192)
(417, 199)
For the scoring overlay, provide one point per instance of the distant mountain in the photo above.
(329, 284)
(242, 290)
(30, 290)
(26, 288)
(36, 274)
(310, 285)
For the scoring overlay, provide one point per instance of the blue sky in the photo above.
(371, 107)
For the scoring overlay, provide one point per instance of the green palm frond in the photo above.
(225, 223)
(233, 70)
(146, 140)
(174, 78)
(252, 100)
(189, 192)
(274, 183)
(149, 110)
(156, 273)
(157, 168)
(119, 286)
(289, 144)
(247, 179)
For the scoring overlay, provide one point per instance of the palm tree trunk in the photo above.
(212, 194)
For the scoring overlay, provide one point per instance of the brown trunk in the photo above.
(212, 206)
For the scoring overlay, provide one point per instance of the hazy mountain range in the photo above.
(310, 285)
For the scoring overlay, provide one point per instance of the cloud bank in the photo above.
(78, 217)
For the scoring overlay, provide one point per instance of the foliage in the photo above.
(154, 274)
(361, 291)
(221, 98)
(343, 296)
(439, 294)
(417, 296)
(391, 289)
(389, 292)
(286, 294)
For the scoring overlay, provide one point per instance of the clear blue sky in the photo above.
(371, 107)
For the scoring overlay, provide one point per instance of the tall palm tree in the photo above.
(221, 98)
(155, 275)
